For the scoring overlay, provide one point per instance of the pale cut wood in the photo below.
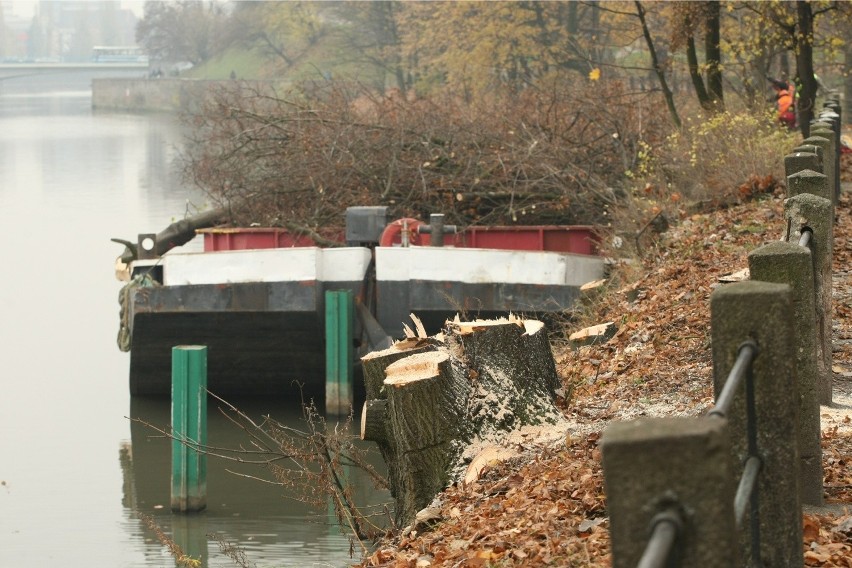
(737, 276)
(417, 367)
(594, 334)
(591, 291)
(418, 325)
(593, 285)
(468, 327)
(374, 364)
(490, 456)
(373, 426)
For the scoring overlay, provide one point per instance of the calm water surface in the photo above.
(73, 469)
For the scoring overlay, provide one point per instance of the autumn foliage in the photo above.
(549, 508)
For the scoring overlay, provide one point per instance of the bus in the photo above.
(118, 54)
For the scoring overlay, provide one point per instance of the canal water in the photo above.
(75, 471)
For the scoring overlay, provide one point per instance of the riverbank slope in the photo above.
(547, 506)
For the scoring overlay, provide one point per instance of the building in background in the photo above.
(14, 31)
(63, 30)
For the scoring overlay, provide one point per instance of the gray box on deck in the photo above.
(365, 224)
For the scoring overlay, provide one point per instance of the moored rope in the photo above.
(144, 280)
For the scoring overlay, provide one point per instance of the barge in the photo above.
(256, 296)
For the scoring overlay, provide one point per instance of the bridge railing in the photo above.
(726, 489)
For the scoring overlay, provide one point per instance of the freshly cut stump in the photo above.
(430, 399)
(426, 404)
(375, 425)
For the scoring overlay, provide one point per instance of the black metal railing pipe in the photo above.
(665, 528)
(745, 489)
(745, 356)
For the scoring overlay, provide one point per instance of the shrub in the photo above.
(714, 159)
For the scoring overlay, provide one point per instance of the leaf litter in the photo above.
(546, 506)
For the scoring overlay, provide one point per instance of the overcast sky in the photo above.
(26, 8)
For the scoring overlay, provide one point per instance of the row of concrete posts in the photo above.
(727, 489)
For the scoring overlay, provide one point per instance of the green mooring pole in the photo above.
(189, 422)
(339, 316)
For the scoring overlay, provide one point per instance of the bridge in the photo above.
(27, 69)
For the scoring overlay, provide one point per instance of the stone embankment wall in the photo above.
(158, 95)
(166, 95)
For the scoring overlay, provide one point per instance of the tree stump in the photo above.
(375, 420)
(429, 399)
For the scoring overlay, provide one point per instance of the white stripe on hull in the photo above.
(483, 266)
(266, 265)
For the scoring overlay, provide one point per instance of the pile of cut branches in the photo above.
(298, 159)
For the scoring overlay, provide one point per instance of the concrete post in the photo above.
(189, 424)
(811, 149)
(833, 118)
(823, 143)
(790, 263)
(762, 312)
(828, 114)
(831, 161)
(819, 123)
(799, 161)
(817, 213)
(832, 103)
(654, 464)
(808, 181)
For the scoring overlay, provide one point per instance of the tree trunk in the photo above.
(784, 65)
(594, 31)
(516, 362)
(805, 67)
(573, 21)
(426, 403)
(694, 74)
(655, 63)
(375, 417)
(713, 54)
(438, 397)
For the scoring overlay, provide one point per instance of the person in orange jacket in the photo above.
(784, 104)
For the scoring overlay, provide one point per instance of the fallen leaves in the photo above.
(827, 541)
(837, 459)
(549, 508)
(548, 511)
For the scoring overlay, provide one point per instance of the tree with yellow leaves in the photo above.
(690, 19)
(477, 46)
(283, 31)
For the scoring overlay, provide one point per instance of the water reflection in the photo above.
(269, 522)
(69, 180)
